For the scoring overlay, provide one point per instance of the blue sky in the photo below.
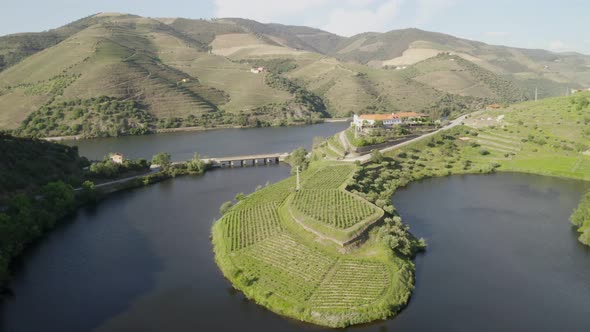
(549, 24)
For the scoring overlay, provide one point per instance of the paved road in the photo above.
(152, 171)
(366, 157)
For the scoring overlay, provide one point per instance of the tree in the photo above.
(225, 207)
(379, 124)
(240, 196)
(196, 165)
(298, 158)
(58, 198)
(163, 159)
(376, 156)
(89, 192)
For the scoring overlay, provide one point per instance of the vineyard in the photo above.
(333, 207)
(275, 261)
(245, 227)
(297, 270)
(328, 177)
(341, 288)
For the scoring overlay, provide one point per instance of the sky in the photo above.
(548, 24)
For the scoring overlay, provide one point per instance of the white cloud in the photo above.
(265, 10)
(428, 9)
(353, 20)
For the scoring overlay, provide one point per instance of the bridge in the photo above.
(247, 160)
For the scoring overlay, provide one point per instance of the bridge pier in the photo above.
(249, 162)
(236, 163)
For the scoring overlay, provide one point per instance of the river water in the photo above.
(210, 143)
(501, 257)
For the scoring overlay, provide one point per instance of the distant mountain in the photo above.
(118, 74)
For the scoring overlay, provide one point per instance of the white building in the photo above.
(257, 70)
(117, 158)
(369, 120)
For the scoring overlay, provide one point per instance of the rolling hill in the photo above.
(116, 74)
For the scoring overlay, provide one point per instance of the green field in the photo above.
(549, 137)
(292, 271)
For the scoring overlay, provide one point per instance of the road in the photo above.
(105, 184)
(366, 157)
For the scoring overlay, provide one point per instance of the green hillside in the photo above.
(183, 72)
(455, 75)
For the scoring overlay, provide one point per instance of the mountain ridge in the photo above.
(177, 72)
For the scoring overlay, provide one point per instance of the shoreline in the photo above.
(190, 129)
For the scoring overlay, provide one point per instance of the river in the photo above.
(501, 257)
(209, 143)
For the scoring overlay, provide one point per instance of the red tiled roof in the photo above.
(376, 117)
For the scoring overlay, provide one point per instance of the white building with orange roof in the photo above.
(369, 120)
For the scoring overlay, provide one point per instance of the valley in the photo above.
(166, 173)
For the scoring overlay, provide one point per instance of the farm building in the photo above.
(387, 119)
(257, 70)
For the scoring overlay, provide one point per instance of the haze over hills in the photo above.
(119, 74)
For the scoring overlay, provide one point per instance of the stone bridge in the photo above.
(247, 160)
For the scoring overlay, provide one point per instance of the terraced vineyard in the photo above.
(297, 269)
(346, 275)
(283, 266)
(329, 178)
(333, 207)
(247, 226)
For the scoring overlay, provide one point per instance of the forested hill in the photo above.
(28, 164)
(36, 192)
(116, 74)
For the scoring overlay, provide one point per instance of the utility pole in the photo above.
(298, 185)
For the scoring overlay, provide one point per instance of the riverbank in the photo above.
(196, 129)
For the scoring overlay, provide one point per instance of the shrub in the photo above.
(225, 207)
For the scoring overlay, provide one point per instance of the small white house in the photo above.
(257, 70)
(117, 158)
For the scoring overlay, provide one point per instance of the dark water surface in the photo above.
(211, 143)
(502, 257)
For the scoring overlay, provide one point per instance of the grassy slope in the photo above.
(378, 49)
(289, 270)
(137, 59)
(549, 137)
(114, 60)
(143, 59)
